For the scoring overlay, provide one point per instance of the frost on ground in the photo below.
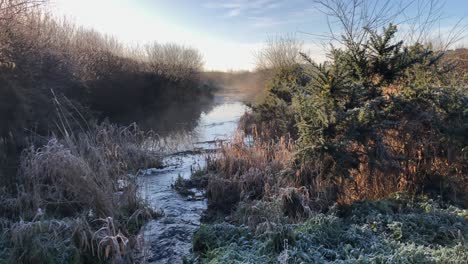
(399, 229)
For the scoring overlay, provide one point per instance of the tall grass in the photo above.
(86, 182)
(84, 172)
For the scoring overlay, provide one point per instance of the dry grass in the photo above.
(246, 171)
(267, 172)
(87, 184)
(242, 154)
(68, 240)
(255, 171)
(90, 171)
(111, 242)
(84, 180)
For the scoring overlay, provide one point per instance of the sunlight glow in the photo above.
(133, 25)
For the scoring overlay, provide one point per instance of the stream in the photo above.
(169, 238)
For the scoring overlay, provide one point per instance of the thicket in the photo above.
(42, 57)
(40, 53)
(379, 116)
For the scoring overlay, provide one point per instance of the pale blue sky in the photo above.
(228, 32)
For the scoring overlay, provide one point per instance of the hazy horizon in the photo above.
(227, 33)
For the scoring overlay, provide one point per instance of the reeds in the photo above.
(248, 171)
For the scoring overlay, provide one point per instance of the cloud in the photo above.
(235, 8)
(234, 12)
(264, 13)
(291, 17)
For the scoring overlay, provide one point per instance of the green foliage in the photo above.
(357, 109)
(275, 114)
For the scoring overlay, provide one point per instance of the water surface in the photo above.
(168, 239)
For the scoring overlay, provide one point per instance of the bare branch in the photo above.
(280, 52)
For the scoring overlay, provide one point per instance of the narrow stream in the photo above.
(168, 239)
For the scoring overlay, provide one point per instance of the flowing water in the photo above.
(168, 239)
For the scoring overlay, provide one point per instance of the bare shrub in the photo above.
(280, 52)
(173, 60)
(12, 8)
(356, 18)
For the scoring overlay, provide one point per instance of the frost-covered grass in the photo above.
(77, 199)
(398, 229)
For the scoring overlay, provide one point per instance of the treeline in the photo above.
(40, 54)
(42, 57)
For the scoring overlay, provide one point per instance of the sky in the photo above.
(227, 32)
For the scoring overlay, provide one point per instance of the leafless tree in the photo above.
(417, 19)
(11, 8)
(174, 60)
(279, 52)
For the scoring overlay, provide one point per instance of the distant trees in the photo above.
(39, 52)
(11, 8)
(280, 52)
(173, 60)
(98, 74)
